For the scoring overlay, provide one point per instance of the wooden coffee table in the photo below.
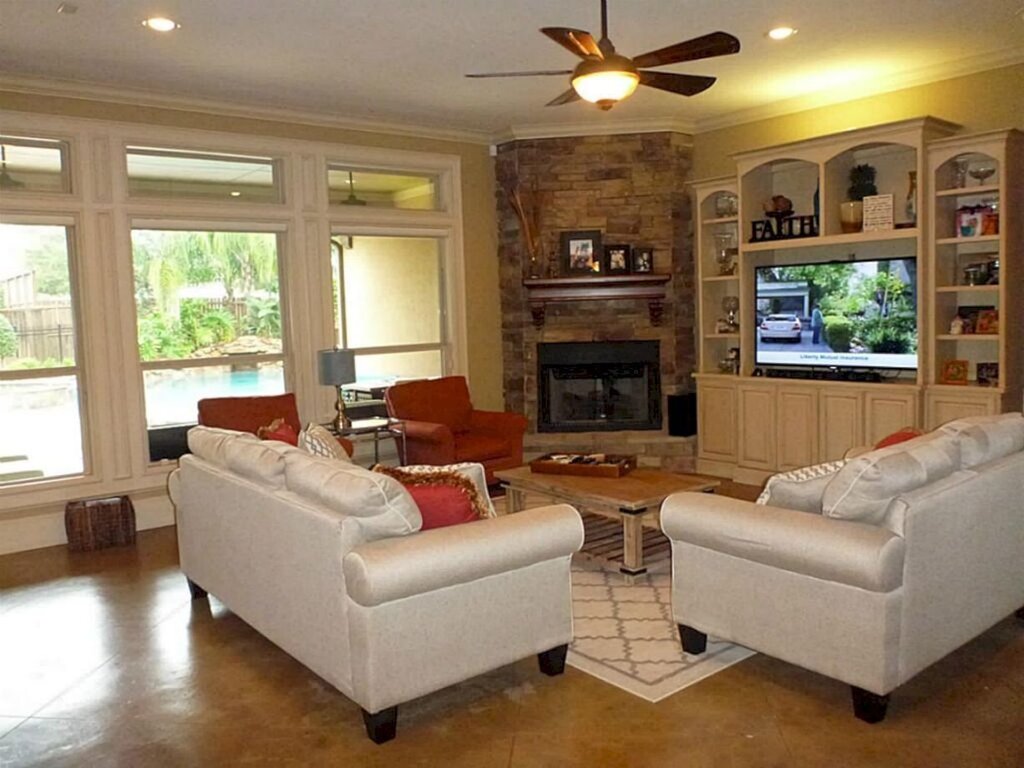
(635, 499)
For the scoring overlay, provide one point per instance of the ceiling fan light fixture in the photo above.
(606, 82)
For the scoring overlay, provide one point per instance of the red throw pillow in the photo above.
(445, 497)
(442, 505)
(279, 429)
(900, 436)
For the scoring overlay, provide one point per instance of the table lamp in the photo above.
(337, 367)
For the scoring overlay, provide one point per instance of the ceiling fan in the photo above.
(605, 77)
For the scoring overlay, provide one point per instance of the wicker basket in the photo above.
(99, 523)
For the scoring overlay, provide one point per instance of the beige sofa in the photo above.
(874, 569)
(326, 560)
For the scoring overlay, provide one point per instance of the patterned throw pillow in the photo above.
(433, 478)
(319, 441)
(801, 488)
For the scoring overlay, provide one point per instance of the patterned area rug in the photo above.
(624, 635)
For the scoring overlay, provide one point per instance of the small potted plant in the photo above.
(862, 184)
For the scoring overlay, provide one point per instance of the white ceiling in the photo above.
(403, 61)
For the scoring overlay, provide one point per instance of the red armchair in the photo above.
(248, 414)
(442, 427)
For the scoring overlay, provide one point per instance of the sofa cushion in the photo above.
(256, 460)
(987, 438)
(801, 488)
(208, 443)
(866, 485)
(479, 446)
(471, 470)
(384, 506)
(899, 436)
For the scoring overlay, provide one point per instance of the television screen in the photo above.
(854, 314)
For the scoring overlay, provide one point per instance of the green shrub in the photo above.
(895, 334)
(8, 338)
(838, 333)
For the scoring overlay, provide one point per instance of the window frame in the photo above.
(444, 344)
(72, 226)
(174, 224)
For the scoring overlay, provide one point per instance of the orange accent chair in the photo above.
(248, 414)
(442, 427)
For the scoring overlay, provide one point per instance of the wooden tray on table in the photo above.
(584, 464)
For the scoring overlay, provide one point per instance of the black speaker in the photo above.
(682, 415)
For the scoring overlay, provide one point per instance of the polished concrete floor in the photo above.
(105, 661)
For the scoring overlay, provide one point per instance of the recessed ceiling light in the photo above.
(235, 193)
(161, 24)
(68, 9)
(781, 33)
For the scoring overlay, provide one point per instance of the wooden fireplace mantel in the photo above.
(651, 288)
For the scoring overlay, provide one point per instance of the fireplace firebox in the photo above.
(598, 386)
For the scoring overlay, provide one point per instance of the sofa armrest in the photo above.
(504, 422)
(392, 569)
(856, 554)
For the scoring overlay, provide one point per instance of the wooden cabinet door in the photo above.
(841, 423)
(796, 423)
(756, 447)
(943, 406)
(888, 412)
(716, 422)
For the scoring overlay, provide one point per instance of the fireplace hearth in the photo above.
(598, 386)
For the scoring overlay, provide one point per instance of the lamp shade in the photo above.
(337, 367)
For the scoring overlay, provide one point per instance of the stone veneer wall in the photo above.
(632, 188)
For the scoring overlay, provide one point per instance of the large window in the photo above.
(382, 189)
(33, 165)
(40, 413)
(209, 318)
(389, 305)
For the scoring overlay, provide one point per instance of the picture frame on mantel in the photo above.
(581, 253)
(642, 261)
(616, 259)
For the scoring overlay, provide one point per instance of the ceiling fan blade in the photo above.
(533, 73)
(685, 85)
(713, 44)
(574, 40)
(566, 98)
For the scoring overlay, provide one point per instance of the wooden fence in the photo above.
(44, 333)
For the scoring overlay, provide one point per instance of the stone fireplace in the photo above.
(632, 188)
(598, 386)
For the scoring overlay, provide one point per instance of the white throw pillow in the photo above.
(318, 441)
(987, 438)
(801, 488)
(866, 485)
(354, 491)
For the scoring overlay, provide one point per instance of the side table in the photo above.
(377, 428)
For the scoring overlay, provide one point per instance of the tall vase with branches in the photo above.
(528, 213)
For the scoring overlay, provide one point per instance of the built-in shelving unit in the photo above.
(976, 225)
(750, 426)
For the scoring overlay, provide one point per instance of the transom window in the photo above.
(154, 172)
(382, 189)
(33, 165)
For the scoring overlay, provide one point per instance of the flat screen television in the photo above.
(850, 314)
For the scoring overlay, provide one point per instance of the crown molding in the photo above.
(897, 82)
(607, 127)
(73, 89)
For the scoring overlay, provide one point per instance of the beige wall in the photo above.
(483, 319)
(979, 102)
